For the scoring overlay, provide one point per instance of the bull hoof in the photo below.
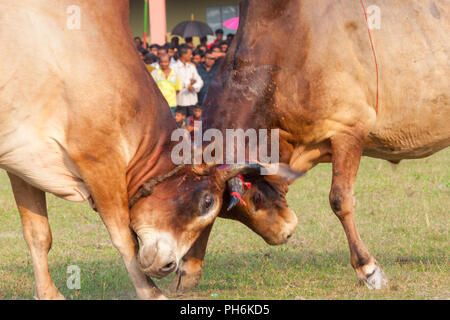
(57, 296)
(51, 294)
(376, 280)
(185, 282)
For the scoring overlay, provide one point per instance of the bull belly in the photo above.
(399, 147)
(47, 169)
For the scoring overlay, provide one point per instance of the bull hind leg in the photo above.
(346, 155)
(189, 273)
(33, 213)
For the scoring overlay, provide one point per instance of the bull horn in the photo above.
(236, 188)
(278, 172)
(232, 170)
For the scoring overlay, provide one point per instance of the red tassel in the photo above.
(237, 194)
(248, 185)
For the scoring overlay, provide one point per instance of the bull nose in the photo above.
(157, 258)
(147, 255)
(161, 268)
(284, 237)
(169, 267)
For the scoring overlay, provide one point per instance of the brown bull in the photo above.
(265, 212)
(337, 90)
(80, 117)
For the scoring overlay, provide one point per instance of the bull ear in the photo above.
(280, 173)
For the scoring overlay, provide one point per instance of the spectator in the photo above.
(167, 81)
(206, 72)
(203, 48)
(216, 49)
(203, 58)
(142, 52)
(189, 42)
(230, 38)
(190, 121)
(219, 37)
(196, 57)
(154, 49)
(138, 42)
(162, 50)
(224, 46)
(149, 60)
(180, 117)
(204, 41)
(191, 82)
(175, 41)
(171, 52)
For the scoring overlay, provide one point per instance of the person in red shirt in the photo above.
(219, 38)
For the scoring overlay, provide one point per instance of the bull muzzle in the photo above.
(157, 255)
(287, 229)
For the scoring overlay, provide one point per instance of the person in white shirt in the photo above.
(191, 82)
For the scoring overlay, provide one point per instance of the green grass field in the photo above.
(402, 214)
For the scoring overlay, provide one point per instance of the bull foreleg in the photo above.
(117, 222)
(36, 230)
(108, 190)
(189, 273)
(346, 155)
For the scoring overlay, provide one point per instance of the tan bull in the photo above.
(80, 117)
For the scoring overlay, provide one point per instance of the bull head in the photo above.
(184, 202)
(236, 184)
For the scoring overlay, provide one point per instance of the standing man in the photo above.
(171, 53)
(154, 49)
(204, 41)
(167, 81)
(206, 71)
(138, 42)
(224, 46)
(219, 38)
(191, 82)
(196, 57)
(230, 38)
(189, 42)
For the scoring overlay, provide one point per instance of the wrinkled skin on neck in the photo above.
(242, 96)
(245, 93)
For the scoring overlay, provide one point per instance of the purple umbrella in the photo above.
(232, 23)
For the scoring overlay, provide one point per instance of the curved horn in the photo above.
(236, 188)
(232, 170)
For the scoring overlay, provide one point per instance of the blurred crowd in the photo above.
(183, 73)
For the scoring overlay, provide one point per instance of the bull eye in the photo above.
(207, 203)
(257, 199)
